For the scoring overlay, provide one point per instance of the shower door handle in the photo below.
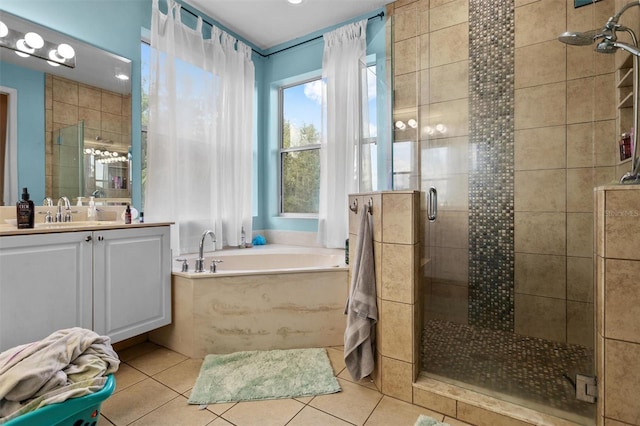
(432, 205)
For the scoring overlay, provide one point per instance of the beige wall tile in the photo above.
(64, 114)
(580, 145)
(540, 21)
(579, 234)
(540, 106)
(397, 379)
(580, 184)
(89, 97)
(434, 401)
(405, 22)
(605, 97)
(540, 148)
(423, 17)
(540, 190)
(405, 95)
(542, 233)
(454, 115)
(622, 383)
(397, 272)
(450, 230)
(451, 264)
(580, 323)
(448, 302)
(606, 143)
(581, 61)
(622, 300)
(481, 417)
(599, 277)
(111, 122)
(540, 63)
(398, 218)
(449, 82)
(542, 317)
(424, 88)
(424, 57)
(396, 332)
(449, 14)
(580, 279)
(450, 44)
(92, 118)
(444, 157)
(580, 100)
(404, 56)
(65, 91)
(540, 275)
(599, 222)
(111, 103)
(622, 217)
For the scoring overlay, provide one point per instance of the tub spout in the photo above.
(200, 259)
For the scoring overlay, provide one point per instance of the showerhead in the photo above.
(608, 46)
(574, 38)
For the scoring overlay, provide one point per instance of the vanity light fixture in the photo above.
(295, 1)
(32, 44)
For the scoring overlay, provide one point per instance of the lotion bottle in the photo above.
(127, 214)
(91, 210)
(25, 212)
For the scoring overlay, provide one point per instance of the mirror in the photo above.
(86, 121)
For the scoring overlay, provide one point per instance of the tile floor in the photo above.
(154, 383)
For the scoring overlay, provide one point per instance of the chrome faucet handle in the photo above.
(185, 265)
(213, 267)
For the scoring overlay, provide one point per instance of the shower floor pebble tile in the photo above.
(153, 385)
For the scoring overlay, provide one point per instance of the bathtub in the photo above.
(265, 297)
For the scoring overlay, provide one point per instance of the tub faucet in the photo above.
(200, 259)
(67, 208)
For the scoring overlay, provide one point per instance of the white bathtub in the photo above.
(266, 297)
(267, 259)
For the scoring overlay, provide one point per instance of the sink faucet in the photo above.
(200, 259)
(48, 202)
(67, 207)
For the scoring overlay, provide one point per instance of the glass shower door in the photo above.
(68, 164)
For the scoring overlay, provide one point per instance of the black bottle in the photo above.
(25, 212)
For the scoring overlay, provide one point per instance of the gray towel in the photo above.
(361, 309)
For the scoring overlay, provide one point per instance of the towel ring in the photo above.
(354, 206)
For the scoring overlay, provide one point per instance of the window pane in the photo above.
(300, 181)
(301, 114)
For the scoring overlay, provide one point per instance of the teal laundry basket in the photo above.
(81, 411)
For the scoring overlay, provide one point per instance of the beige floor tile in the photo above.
(102, 421)
(392, 411)
(220, 422)
(181, 377)
(275, 412)
(137, 400)
(336, 356)
(354, 404)
(137, 350)
(127, 376)
(455, 422)
(218, 409)
(176, 412)
(310, 416)
(157, 361)
(367, 381)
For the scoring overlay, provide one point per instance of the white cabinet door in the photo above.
(131, 281)
(45, 285)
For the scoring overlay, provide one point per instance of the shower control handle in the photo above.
(432, 204)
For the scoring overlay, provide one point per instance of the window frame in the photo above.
(282, 151)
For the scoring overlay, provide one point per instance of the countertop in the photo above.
(80, 226)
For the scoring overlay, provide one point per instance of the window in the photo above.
(300, 124)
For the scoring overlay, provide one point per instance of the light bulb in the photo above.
(66, 51)
(295, 1)
(34, 40)
(23, 46)
(400, 125)
(412, 123)
(53, 64)
(122, 76)
(4, 30)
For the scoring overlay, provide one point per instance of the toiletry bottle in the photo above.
(25, 212)
(141, 217)
(91, 210)
(243, 238)
(127, 214)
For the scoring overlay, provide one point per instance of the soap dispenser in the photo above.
(25, 211)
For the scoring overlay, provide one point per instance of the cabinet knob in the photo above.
(87, 238)
(100, 238)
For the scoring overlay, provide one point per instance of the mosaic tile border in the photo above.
(491, 167)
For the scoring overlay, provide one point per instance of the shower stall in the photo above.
(514, 130)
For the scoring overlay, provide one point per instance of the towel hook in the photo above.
(370, 206)
(354, 206)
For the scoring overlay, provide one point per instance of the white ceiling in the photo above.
(268, 23)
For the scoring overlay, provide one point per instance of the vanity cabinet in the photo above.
(116, 282)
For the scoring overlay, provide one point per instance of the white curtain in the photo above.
(344, 50)
(199, 136)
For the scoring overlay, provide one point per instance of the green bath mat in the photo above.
(428, 421)
(257, 375)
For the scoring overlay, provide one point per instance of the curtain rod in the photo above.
(379, 15)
